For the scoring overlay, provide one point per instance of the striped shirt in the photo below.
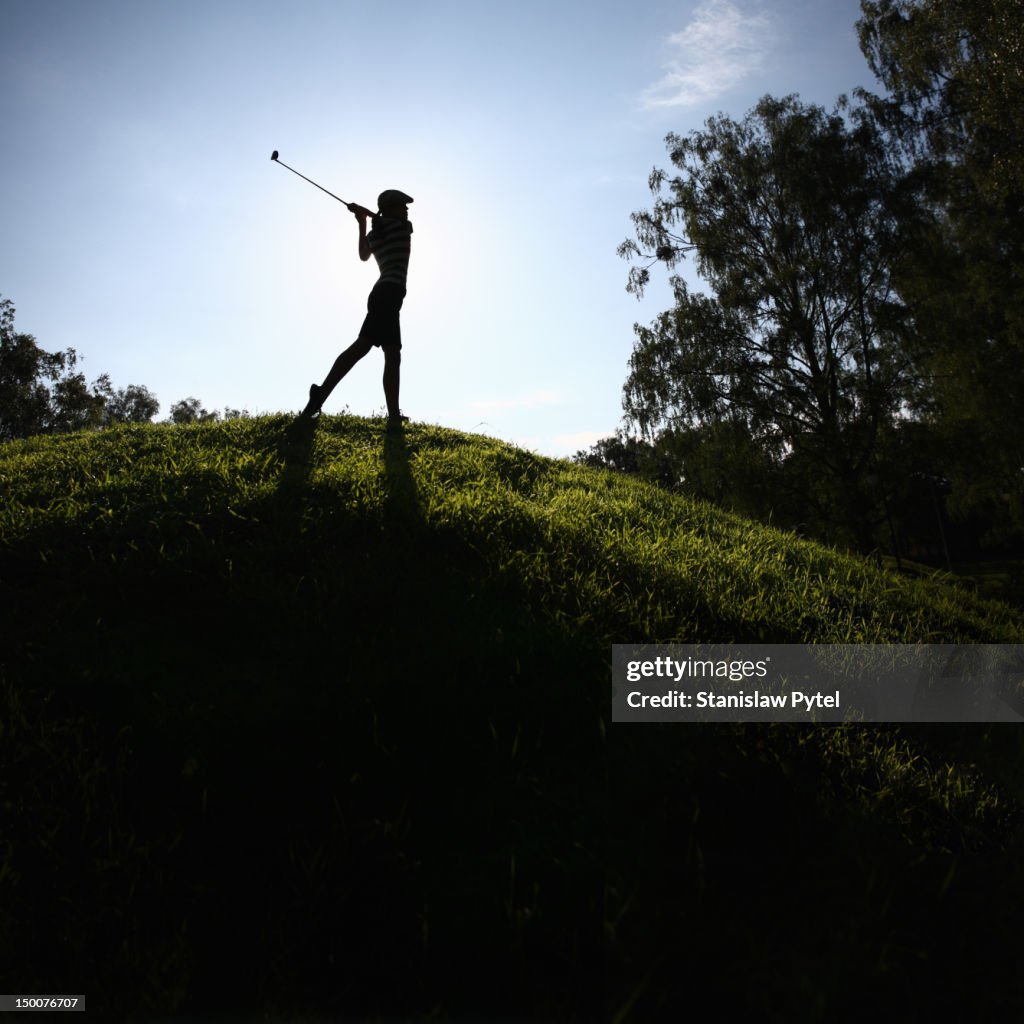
(390, 242)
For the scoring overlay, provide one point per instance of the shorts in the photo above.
(381, 326)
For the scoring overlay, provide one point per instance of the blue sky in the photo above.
(145, 226)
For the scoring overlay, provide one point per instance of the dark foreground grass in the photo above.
(305, 723)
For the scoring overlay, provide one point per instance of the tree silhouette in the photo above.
(790, 215)
(41, 392)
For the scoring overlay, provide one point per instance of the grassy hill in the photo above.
(308, 722)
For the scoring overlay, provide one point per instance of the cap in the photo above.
(392, 197)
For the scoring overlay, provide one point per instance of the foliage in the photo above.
(27, 404)
(133, 404)
(364, 676)
(791, 214)
(41, 393)
(627, 453)
(190, 410)
(931, 177)
(30, 405)
(954, 77)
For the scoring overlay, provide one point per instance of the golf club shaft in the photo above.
(277, 160)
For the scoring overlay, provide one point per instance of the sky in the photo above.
(145, 226)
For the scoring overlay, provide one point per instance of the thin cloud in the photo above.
(719, 48)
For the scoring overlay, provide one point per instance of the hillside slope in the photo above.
(328, 708)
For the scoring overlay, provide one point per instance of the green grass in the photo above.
(314, 723)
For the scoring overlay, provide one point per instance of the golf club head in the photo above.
(273, 156)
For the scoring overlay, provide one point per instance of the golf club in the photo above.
(352, 206)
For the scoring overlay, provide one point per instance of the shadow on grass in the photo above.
(347, 766)
(296, 450)
(402, 504)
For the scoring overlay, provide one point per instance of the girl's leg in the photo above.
(318, 394)
(392, 376)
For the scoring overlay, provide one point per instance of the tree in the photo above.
(24, 369)
(954, 73)
(41, 392)
(28, 404)
(791, 214)
(133, 404)
(625, 453)
(955, 76)
(190, 410)
(73, 406)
